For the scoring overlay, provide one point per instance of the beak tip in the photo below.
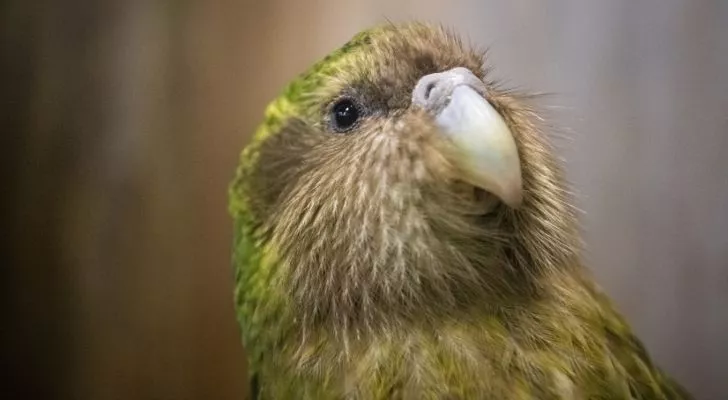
(512, 196)
(515, 201)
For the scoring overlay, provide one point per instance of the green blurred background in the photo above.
(122, 122)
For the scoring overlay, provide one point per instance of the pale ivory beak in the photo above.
(488, 155)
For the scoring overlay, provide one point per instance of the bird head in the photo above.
(393, 180)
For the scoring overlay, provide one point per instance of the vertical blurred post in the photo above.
(41, 131)
(120, 132)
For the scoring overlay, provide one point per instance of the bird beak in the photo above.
(487, 152)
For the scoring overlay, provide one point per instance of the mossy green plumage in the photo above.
(326, 313)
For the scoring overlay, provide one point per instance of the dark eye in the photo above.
(345, 115)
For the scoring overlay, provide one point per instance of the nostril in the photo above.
(429, 88)
(433, 91)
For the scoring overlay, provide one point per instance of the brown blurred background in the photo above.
(122, 122)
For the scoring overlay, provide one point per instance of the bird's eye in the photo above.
(345, 115)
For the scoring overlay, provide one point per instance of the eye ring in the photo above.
(345, 115)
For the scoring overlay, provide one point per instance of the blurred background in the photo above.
(122, 122)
